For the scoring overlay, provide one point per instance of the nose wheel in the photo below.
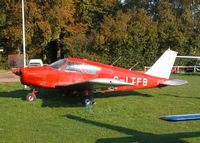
(31, 96)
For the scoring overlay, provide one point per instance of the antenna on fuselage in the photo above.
(116, 61)
(133, 66)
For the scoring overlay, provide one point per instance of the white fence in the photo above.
(180, 69)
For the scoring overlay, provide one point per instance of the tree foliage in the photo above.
(138, 31)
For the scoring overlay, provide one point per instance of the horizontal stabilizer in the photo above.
(184, 117)
(174, 82)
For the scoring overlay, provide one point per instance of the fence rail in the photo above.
(180, 69)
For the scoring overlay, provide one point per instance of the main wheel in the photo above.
(30, 97)
(88, 101)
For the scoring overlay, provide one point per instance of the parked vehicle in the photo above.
(197, 67)
(174, 70)
(193, 68)
(35, 63)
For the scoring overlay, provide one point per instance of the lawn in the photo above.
(121, 117)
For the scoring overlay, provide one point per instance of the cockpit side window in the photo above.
(58, 64)
(79, 67)
(71, 66)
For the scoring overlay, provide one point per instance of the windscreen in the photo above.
(58, 64)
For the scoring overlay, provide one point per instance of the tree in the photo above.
(130, 35)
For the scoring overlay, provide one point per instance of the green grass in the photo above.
(131, 116)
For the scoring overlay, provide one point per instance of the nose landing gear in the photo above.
(31, 96)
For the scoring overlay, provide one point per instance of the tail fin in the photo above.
(163, 66)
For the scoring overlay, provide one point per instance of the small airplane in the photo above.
(74, 75)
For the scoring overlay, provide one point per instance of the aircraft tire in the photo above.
(86, 101)
(30, 98)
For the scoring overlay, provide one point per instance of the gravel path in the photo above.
(8, 76)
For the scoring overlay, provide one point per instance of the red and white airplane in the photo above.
(80, 75)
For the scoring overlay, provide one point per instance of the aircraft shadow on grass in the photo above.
(55, 98)
(137, 136)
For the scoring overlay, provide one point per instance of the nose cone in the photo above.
(17, 72)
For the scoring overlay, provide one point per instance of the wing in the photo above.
(96, 85)
(184, 117)
(189, 57)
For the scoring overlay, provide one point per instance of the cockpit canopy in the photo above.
(81, 67)
(58, 64)
(75, 67)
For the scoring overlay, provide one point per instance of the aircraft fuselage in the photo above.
(77, 70)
